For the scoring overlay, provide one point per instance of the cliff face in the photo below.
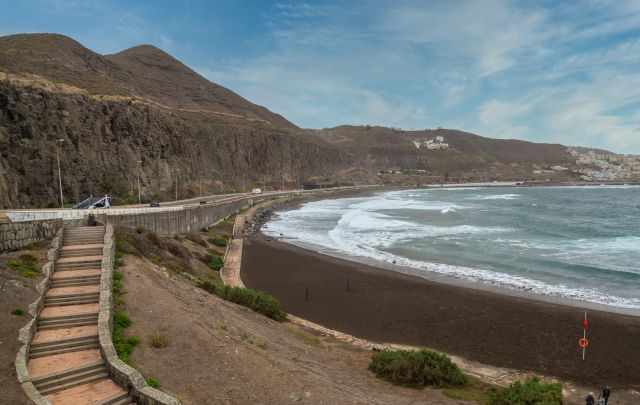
(105, 139)
(143, 113)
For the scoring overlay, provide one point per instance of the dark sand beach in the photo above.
(496, 329)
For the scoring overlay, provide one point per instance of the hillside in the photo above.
(143, 112)
(143, 71)
(467, 154)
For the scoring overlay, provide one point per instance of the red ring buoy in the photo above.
(583, 343)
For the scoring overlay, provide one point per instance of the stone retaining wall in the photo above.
(123, 374)
(14, 236)
(169, 223)
(28, 331)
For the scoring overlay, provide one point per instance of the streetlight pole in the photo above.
(139, 192)
(58, 142)
(177, 185)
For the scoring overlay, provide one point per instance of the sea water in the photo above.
(580, 243)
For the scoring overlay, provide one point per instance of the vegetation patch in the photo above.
(124, 345)
(218, 241)
(153, 383)
(259, 301)
(215, 262)
(417, 368)
(26, 265)
(530, 392)
(158, 340)
(17, 312)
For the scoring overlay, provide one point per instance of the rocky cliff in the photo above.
(142, 113)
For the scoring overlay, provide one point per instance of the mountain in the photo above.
(466, 157)
(144, 72)
(142, 113)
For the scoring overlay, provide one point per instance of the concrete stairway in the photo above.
(64, 359)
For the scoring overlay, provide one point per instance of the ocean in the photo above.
(579, 243)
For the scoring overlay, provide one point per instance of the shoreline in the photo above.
(515, 330)
(487, 327)
(433, 276)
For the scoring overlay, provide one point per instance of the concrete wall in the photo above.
(14, 236)
(169, 223)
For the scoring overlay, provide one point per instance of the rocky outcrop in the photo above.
(104, 139)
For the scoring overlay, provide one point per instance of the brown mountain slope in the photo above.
(391, 148)
(163, 78)
(144, 71)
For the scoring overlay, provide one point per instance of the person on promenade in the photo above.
(591, 400)
(606, 392)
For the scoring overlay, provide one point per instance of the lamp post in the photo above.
(58, 143)
(139, 192)
(177, 172)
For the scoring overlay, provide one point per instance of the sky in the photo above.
(545, 71)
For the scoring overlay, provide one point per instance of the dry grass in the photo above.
(158, 340)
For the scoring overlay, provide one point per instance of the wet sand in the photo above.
(497, 329)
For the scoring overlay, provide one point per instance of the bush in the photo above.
(531, 392)
(218, 241)
(153, 383)
(258, 301)
(178, 250)
(123, 345)
(215, 262)
(417, 368)
(18, 312)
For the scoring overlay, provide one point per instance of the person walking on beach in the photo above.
(591, 400)
(606, 392)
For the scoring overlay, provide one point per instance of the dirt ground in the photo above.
(221, 353)
(16, 292)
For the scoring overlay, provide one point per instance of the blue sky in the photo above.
(545, 71)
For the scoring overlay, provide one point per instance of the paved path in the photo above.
(65, 363)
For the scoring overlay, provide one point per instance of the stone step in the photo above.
(73, 283)
(79, 277)
(116, 399)
(67, 348)
(87, 394)
(77, 253)
(56, 342)
(71, 297)
(67, 319)
(89, 378)
(78, 266)
(93, 365)
(69, 324)
(82, 240)
(94, 300)
(67, 274)
(60, 292)
(85, 269)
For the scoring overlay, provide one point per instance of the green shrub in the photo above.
(18, 312)
(215, 262)
(218, 241)
(531, 392)
(258, 301)
(123, 344)
(417, 368)
(25, 265)
(153, 383)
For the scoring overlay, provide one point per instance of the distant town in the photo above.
(596, 165)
